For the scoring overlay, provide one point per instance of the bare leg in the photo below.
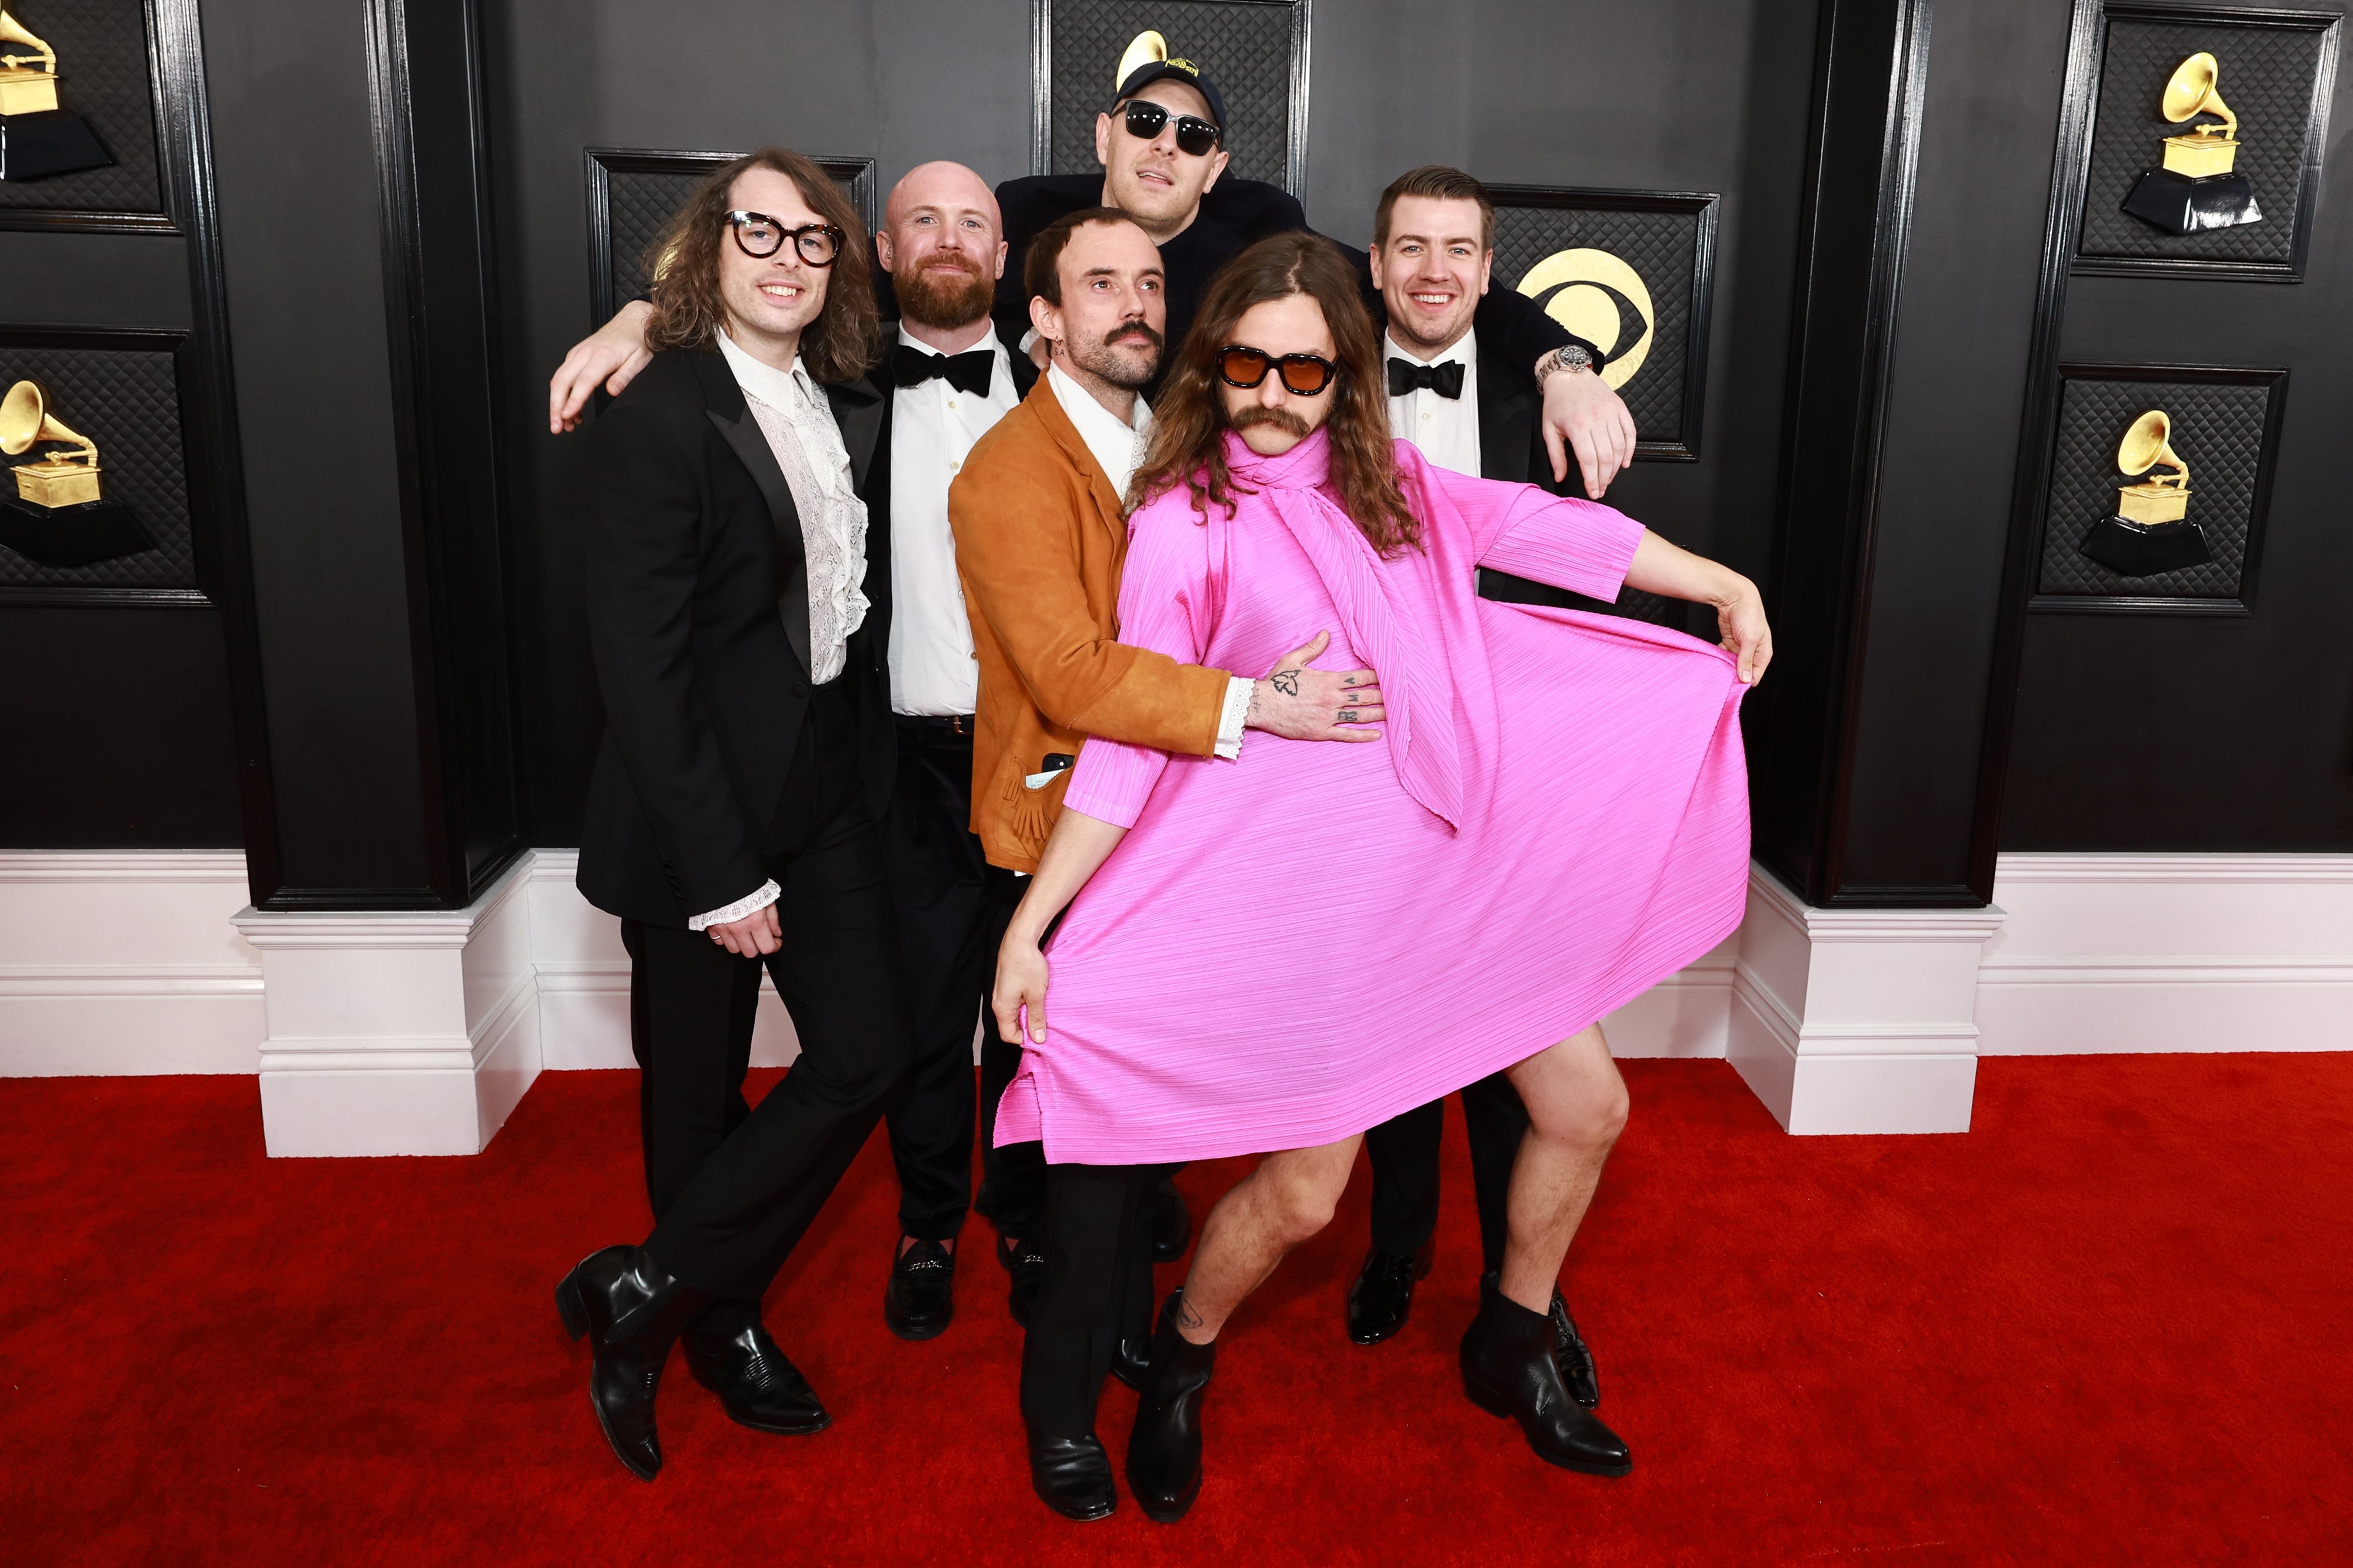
(1287, 1199)
(1577, 1107)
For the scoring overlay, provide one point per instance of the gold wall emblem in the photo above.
(2161, 498)
(61, 478)
(1592, 293)
(28, 82)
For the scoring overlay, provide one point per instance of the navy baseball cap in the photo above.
(1185, 71)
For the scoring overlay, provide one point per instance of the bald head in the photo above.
(942, 243)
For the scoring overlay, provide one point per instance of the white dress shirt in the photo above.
(934, 669)
(1118, 450)
(793, 414)
(797, 424)
(1445, 428)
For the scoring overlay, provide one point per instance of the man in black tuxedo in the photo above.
(1475, 411)
(732, 817)
(945, 382)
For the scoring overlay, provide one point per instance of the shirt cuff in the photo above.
(1230, 723)
(768, 894)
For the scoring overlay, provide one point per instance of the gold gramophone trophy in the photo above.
(37, 138)
(2149, 533)
(59, 515)
(2198, 187)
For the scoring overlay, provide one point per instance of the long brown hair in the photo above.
(1189, 418)
(683, 262)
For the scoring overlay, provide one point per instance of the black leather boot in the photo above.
(920, 1301)
(1382, 1297)
(1573, 1357)
(1508, 1370)
(1131, 1362)
(729, 1352)
(631, 1311)
(1172, 1222)
(1164, 1452)
(1072, 1475)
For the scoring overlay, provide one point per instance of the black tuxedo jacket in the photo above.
(1511, 446)
(698, 619)
(1234, 213)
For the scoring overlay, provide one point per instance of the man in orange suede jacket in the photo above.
(1040, 536)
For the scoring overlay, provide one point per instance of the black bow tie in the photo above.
(911, 366)
(1405, 377)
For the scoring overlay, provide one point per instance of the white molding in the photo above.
(2186, 868)
(1857, 1020)
(123, 961)
(412, 1033)
(2169, 953)
(49, 866)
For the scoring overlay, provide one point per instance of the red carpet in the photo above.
(2110, 1326)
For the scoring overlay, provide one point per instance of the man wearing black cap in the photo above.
(1162, 147)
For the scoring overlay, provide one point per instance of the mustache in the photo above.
(1135, 330)
(1283, 419)
(949, 259)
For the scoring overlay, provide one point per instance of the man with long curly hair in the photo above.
(732, 816)
(1554, 818)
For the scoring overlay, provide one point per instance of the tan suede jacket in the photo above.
(1041, 539)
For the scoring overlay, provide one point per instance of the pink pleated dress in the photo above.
(1297, 944)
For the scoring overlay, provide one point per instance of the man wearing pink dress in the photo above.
(1552, 818)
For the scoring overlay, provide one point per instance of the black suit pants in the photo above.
(729, 1224)
(1097, 1288)
(1404, 1154)
(952, 909)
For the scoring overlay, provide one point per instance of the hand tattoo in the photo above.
(1347, 715)
(1286, 681)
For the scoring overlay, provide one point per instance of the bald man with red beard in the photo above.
(946, 380)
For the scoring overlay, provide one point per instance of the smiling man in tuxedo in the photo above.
(730, 818)
(946, 381)
(1473, 410)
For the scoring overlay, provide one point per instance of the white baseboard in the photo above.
(401, 1032)
(124, 961)
(2169, 953)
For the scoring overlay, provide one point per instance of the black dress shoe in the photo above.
(729, 1352)
(1508, 1370)
(920, 1298)
(631, 1310)
(1382, 1297)
(1131, 1362)
(1026, 1261)
(1570, 1354)
(1172, 1222)
(1072, 1475)
(1164, 1452)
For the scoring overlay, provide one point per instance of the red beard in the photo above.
(944, 299)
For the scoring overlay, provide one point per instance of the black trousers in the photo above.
(1097, 1288)
(742, 1188)
(952, 909)
(1404, 1153)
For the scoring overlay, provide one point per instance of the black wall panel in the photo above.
(2172, 731)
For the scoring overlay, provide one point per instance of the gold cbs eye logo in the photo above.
(1599, 299)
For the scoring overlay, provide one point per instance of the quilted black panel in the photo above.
(2266, 76)
(128, 401)
(1658, 248)
(101, 49)
(2218, 430)
(1245, 48)
(639, 204)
